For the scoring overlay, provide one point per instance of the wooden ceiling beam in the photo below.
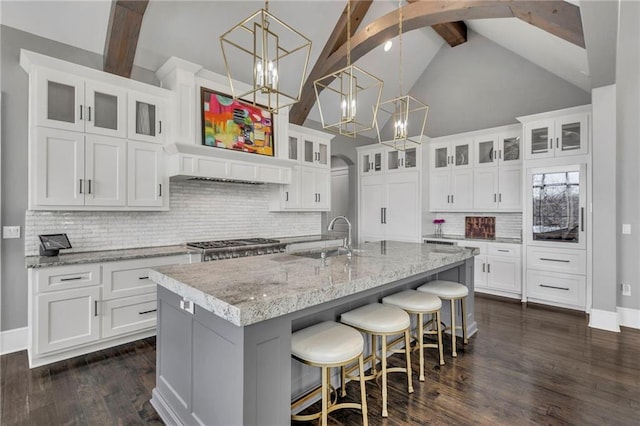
(454, 33)
(125, 21)
(557, 17)
(338, 37)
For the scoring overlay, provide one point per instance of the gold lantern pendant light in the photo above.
(343, 96)
(274, 53)
(394, 115)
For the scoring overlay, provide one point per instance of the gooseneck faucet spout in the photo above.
(330, 228)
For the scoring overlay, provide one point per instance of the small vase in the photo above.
(438, 229)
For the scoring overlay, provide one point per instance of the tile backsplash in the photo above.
(507, 225)
(199, 211)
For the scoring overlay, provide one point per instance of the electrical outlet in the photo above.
(626, 289)
(10, 232)
(626, 228)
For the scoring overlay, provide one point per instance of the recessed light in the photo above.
(387, 45)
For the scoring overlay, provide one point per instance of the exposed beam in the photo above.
(558, 17)
(338, 37)
(120, 45)
(454, 33)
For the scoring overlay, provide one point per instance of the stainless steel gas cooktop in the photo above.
(242, 247)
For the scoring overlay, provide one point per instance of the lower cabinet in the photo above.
(77, 309)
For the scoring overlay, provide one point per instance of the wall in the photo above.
(14, 86)
(627, 131)
(479, 84)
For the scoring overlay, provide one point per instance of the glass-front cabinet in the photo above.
(371, 161)
(561, 136)
(452, 154)
(557, 206)
(402, 160)
(145, 118)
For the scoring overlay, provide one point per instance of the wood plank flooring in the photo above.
(528, 364)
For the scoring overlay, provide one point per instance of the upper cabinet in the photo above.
(503, 148)
(451, 154)
(145, 118)
(556, 134)
(68, 102)
(308, 147)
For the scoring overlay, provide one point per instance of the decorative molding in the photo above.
(604, 320)
(628, 317)
(14, 340)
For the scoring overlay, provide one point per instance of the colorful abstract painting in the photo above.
(232, 124)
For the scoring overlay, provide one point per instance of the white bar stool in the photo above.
(380, 320)
(420, 304)
(325, 345)
(452, 291)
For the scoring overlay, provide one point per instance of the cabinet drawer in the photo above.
(473, 244)
(557, 288)
(557, 260)
(131, 277)
(67, 277)
(128, 314)
(501, 249)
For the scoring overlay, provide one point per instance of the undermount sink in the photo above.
(322, 254)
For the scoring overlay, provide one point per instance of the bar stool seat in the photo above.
(452, 291)
(329, 344)
(380, 320)
(420, 304)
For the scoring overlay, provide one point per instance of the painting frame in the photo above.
(235, 125)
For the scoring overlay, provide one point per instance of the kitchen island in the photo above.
(224, 328)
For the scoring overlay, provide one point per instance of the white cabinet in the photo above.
(146, 117)
(68, 102)
(315, 152)
(315, 189)
(503, 148)
(309, 147)
(146, 187)
(390, 207)
(74, 169)
(371, 161)
(76, 309)
(497, 188)
(398, 161)
(454, 153)
(556, 134)
(451, 190)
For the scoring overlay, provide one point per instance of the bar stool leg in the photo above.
(343, 377)
(374, 349)
(453, 328)
(419, 341)
(363, 392)
(439, 337)
(385, 413)
(325, 396)
(407, 351)
(463, 309)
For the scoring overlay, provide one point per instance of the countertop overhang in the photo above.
(253, 289)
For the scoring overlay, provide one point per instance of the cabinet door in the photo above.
(485, 194)
(504, 274)
(440, 156)
(440, 191)
(572, 135)
(60, 100)
(402, 160)
(315, 152)
(293, 147)
(106, 112)
(510, 188)
(290, 193)
(105, 171)
(144, 170)
(128, 315)
(371, 162)
(145, 122)
(539, 139)
(67, 318)
(486, 151)
(323, 188)
(462, 154)
(510, 148)
(308, 193)
(403, 213)
(59, 171)
(371, 204)
(480, 272)
(462, 189)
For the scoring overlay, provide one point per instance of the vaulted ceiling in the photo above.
(146, 33)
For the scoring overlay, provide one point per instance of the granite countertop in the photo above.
(463, 238)
(252, 289)
(142, 252)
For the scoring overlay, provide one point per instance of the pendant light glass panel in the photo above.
(401, 122)
(269, 54)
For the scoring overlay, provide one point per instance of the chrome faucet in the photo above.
(348, 242)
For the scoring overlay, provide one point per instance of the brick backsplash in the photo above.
(199, 211)
(508, 225)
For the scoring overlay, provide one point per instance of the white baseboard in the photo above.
(604, 320)
(628, 317)
(14, 340)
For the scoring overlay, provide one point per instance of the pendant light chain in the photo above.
(400, 41)
(348, 32)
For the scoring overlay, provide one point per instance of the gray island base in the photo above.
(224, 328)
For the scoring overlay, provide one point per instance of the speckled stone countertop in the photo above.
(463, 238)
(253, 289)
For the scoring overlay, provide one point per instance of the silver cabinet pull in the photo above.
(555, 260)
(286, 196)
(550, 143)
(81, 186)
(147, 312)
(95, 308)
(500, 197)
(160, 127)
(451, 198)
(71, 279)
(495, 198)
(89, 186)
(319, 197)
(499, 154)
(448, 197)
(557, 143)
(488, 268)
(557, 288)
(143, 278)
(159, 190)
(81, 112)
(582, 219)
(384, 209)
(89, 114)
(504, 251)
(381, 214)
(483, 267)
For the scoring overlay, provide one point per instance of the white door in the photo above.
(504, 274)
(440, 191)
(290, 194)
(572, 135)
(308, 193)
(144, 171)
(106, 112)
(67, 318)
(59, 171)
(323, 189)
(539, 139)
(486, 151)
(510, 188)
(105, 171)
(60, 100)
(371, 205)
(462, 189)
(440, 156)
(510, 148)
(485, 194)
(403, 207)
(480, 272)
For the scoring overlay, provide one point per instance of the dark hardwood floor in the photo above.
(528, 364)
